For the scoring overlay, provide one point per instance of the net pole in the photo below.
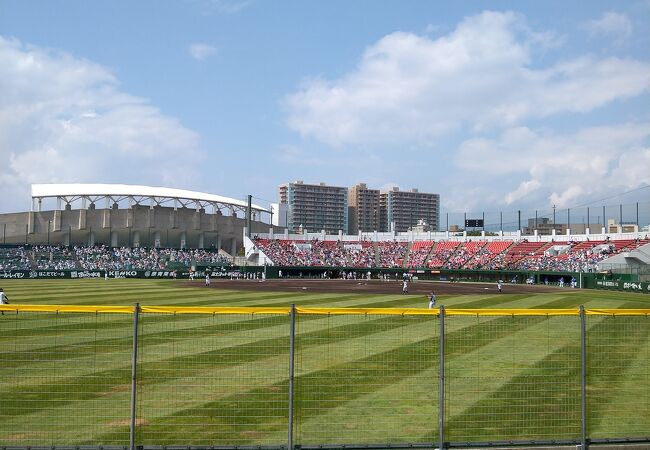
(134, 365)
(441, 400)
(292, 341)
(583, 379)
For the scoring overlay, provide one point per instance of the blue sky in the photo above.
(496, 106)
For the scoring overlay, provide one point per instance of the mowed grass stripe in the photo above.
(172, 368)
(78, 343)
(525, 409)
(79, 351)
(397, 300)
(321, 387)
(618, 382)
(283, 365)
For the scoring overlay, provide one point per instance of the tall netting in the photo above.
(366, 379)
(213, 379)
(220, 377)
(512, 378)
(65, 378)
(618, 376)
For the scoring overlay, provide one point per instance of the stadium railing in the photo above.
(301, 377)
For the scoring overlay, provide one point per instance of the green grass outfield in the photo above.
(223, 379)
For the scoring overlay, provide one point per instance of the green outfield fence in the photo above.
(327, 378)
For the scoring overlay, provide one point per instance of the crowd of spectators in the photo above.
(419, 252)
(54, 257)
(498, 255)
(441, 253)
(318, 253)
(571, 258)
(392, 254)
(14, 258)
(362, 254)
(465, 255)
(507, 255)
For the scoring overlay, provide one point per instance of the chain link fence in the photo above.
(321, 377)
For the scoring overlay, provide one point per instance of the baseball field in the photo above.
(214, 378)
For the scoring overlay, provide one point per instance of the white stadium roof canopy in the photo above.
(156, 195)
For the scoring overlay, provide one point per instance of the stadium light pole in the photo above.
(620, 208)
(553, 216)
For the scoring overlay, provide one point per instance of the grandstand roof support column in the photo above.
(249, 212)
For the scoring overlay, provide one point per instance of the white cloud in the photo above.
(64, 119)
(610, 24)
(201, 52)
(547, 168)
(524, 189)
(414, 89)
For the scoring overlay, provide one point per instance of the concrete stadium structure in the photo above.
(132, 216)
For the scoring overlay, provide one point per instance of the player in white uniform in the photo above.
(3, 299)
(432, 300)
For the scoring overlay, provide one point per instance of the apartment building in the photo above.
(403, 210)
(363, 211)
(315, 207)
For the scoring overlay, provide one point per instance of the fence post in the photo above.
(583, 379)
(292, 341)
(134, 366)
(441, 399)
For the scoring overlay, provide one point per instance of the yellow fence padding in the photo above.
(321, 311)
(68, 308)
(215, 310)
(369, 311)
(617, 312)
(512, 312)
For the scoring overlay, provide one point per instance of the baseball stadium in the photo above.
(173, 319)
